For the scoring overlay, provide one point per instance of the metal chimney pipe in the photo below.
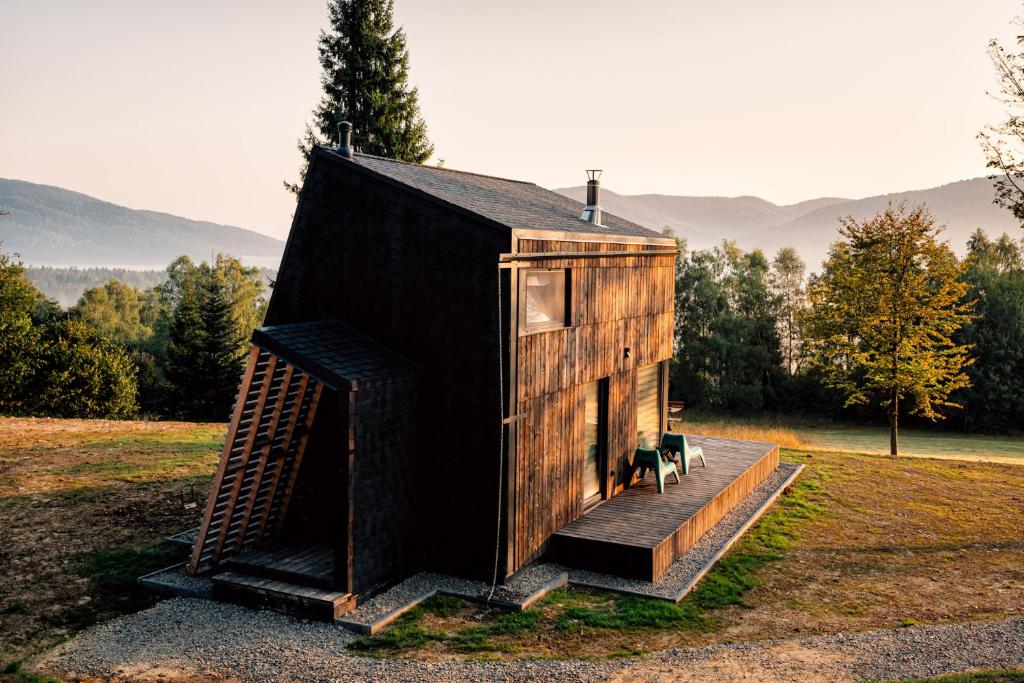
(592, 210)
(345, 139)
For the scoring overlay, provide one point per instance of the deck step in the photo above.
(310, 565)
(282, 596)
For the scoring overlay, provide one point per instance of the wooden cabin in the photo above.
(454, 368)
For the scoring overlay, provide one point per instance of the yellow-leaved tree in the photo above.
(884, 312)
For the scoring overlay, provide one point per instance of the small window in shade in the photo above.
(543, 299)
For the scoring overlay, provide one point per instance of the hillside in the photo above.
(810, 226)
(65, 285)
(50, 226)
(702, 220)
(56, 227)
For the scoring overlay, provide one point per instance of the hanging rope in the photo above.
(501, 442)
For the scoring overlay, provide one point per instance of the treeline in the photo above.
(749, 336)
(171, 350)
(66, 285)
(893, 324)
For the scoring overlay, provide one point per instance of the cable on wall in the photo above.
(501, 441)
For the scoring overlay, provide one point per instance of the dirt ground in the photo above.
(72, 490)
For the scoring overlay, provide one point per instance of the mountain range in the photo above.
(810, 226)
(51, 226)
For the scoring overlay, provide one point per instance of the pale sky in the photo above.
(194, 107)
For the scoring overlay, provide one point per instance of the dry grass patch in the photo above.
(905, 541)
(743, 430)
(85, 505)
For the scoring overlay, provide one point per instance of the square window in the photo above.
(543, 301)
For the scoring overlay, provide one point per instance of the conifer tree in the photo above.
(219, 363)
(185, 345)
(365, 78)
(204, 359)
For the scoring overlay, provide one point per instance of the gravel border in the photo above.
(520, 592)
(187, 537)
(174, 581)
(689, 568)
(535, 581)
(183, 639)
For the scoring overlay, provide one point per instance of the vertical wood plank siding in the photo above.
(616, 302)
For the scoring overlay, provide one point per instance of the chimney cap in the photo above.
(345, 139)
(592, 209)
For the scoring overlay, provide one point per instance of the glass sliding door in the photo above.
(594, 440)
(648, 406)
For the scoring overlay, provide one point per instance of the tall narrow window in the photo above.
(648, 406)
(595, 429)
(543, 299)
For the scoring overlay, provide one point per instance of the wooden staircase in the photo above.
(296, 580)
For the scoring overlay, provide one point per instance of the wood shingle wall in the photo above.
(383, 480)
(420, 279)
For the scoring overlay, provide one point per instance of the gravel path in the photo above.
(522, 591)
(189, 638)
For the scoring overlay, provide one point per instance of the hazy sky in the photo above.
(194, 107)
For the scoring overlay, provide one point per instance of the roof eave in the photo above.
(606, 237)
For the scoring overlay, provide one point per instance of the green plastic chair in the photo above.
(676, 443)
(650, 459)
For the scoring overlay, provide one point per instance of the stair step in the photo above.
(304, 565)
(282, 596)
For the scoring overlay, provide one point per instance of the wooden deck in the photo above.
(638, 533)
(308, 565)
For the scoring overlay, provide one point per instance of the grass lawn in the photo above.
(85, 505)
(915, 443)
(838, 438)
(860, 542)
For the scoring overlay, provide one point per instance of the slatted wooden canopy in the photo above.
(289, 369)
(266, 438)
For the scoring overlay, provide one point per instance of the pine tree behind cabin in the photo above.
(884, 313)
(203, 359)
(365, 77)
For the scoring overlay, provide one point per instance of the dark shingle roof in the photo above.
(512, 203)
(332, 352)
